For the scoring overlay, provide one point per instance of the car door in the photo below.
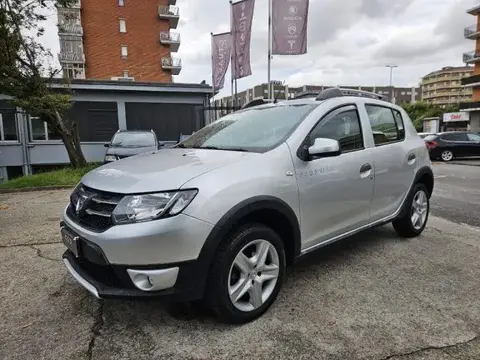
(474, 144)
(457, 142)
(394, 160)
(335, 192)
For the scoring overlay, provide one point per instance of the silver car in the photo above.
(221, 215)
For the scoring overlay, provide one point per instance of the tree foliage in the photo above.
(26, 71)
(421, 110)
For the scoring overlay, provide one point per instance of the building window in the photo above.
(123, 26)
(8, 127)
(40, 131)
(124, 51)
(403, 92)
(121, 2)
(409, 93)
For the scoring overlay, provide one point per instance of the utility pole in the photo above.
(392, 96)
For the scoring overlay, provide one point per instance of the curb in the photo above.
(32, 189)
(466, 164)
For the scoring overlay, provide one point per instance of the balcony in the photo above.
(170, 13)
(69, 29)
(471, 57)
(471, 32)
(170, 38)
(471, 81)
(172, 64)
(71, 57)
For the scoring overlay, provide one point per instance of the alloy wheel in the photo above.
(447, 155)
(253, 275)
(419, 209)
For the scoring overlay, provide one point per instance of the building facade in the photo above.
(444, 87)
(472, 82)
(281, 91)
(119, 40)
(100, 108)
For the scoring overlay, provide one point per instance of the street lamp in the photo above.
(392, 97)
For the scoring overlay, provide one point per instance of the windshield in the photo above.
(256, 129)
(133, 139)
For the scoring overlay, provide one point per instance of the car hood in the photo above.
(129, 151)
(166, 169)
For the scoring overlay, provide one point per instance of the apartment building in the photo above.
(472, 82)
(444, 87)
(119, 40)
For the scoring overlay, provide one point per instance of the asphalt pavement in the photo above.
(374, 296)
(457, 193)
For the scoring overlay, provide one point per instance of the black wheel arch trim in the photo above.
(236, 213)
(425, 170)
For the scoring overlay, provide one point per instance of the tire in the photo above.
(405, 226)
(225, 277)
(447, 155)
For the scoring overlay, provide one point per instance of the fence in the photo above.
(215, 112)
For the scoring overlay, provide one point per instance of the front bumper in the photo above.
(110, 281)
(171, 240)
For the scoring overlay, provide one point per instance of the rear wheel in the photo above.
(247, 274)
(446, 155)
(413, 222)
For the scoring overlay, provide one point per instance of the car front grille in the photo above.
(92, 208)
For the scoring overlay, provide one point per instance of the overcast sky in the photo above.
(349, 41)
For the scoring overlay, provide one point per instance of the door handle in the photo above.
(365, 168)
(411, 159)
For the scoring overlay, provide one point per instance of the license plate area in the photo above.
(70, 240)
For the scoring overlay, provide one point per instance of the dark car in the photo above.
(449, 145)
(126, 143)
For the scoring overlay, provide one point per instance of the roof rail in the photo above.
(338, 92)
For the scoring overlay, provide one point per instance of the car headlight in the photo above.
(110, 158)
(138, 208)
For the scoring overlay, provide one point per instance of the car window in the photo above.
(473, 137)
(385, 126)
(343, 127)
(455, 137)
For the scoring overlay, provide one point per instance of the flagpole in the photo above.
(269, 47)
(213, 71)
(233, 49)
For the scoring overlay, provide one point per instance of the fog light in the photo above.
(153, 280)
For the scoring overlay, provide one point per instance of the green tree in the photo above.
(25, 73)
(421, 110)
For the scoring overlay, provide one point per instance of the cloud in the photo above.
(349, 41)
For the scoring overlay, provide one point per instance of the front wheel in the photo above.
(247, 274)
(413, 222)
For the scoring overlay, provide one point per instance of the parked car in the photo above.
(449, 145)
(220, 216)
(126, 143)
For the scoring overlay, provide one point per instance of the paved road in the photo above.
(457, 193)
(372, 297)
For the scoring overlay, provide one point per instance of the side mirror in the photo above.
(106, 145)
(160, 145)
(323, 147)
